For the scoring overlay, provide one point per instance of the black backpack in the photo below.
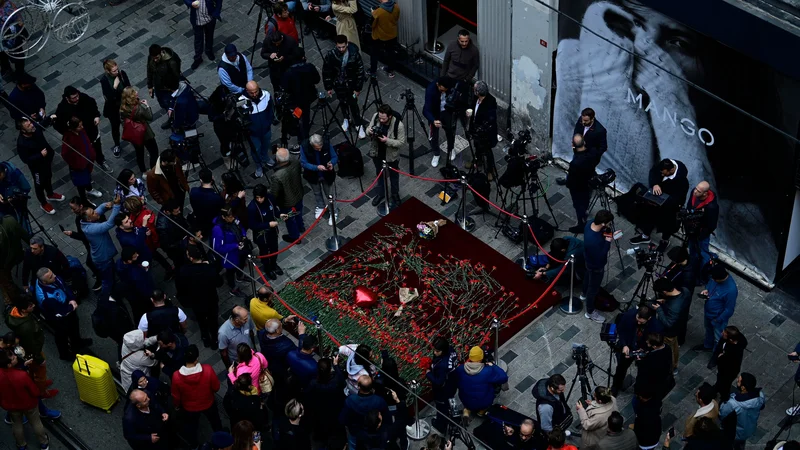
(351, 162)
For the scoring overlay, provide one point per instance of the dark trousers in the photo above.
(723, 384)
(580, 201)
(442, 411)
(163, 97)
(304, 124)
(348, 104)
(82, 191)
(382, 50)
(206, 316)
(294, 225)
(485, 156)
(68, 335)
(115, 122)
(661, 217)
(449, 134)
(623, 364)
(394, 178)
(204, 34)
(140, 305)
(591, 286)
(106, 271)
(152, 152)
(42, 181)
(177, 255)
(5, 63)
(266, 245)
(276, 71)
(221, 129)
(98, 149)
(191, 420)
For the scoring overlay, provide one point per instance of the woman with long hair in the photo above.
(227, 239)
(345, 11)
(137, 110)
(249, 361)
(114, 81)
(130, 186)
(243, 436)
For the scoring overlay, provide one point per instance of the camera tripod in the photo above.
(601, 196)
(409, 113)
(585, 371)
(303, 28)
(530, 184)
(645, 284)
(25, 218)
(324, 106)
(262, 6)
(375, 90)
(456, 432)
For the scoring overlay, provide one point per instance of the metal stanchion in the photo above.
(318, 325)
(334, 242)
(572, 304)
(383, 208)
(524, 229)
(436, 46)
(466, 222)
(251, 264)
(419, 429)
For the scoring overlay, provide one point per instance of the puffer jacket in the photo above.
(354, 70)
(476, 383)
(165, 74)
(133, 345)
(747, 407)
(286, 184)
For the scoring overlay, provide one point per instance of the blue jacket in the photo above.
(214, 8)
(206, 205)
(14, 181)
(260, 215)
(595, 248)
(442, 375)
(261, 114)
(276, 351)
(54, 298)
(29, 101)
(476, 383)
(574, 247)
(747, 407)
(626, 330)
(311, 172)
(304, 367)
(100, 242)
(356, 407)
(432, 109)
(136, 239)
(226, 243)
(137, 279)
(185, 112)
(721, 300)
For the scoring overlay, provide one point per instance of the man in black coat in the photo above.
(144, 424)
(684, 276)
(299, 81)
(343, 73)
(483, 127)
(81, 105)
(594, 134)
(727, 357)
(36, 152)
(196, 285)
(280, 51)
(703, 201)
(40, 255)
(581, 170)
(633, 328)
(668, 177)
(655, 367)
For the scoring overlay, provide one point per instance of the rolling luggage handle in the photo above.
(88, 372)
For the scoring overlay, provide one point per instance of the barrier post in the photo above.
(436, 46)
(466, 222)
(251, 264)
(318, 325)
(383, 208)
(419, 429)
(334, 242)
(571, 305)
(524, 229)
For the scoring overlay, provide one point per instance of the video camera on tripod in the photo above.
(408, 95)
(648, 257)
(580, 354)
(601, 180)
(237, 110)
(691, 219)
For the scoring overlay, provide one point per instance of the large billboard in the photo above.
(664, 90)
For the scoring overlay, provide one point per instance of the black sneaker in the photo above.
(377, 200)
(295, 149)
(211, 56)
(701, 348)
(166, 125)
(561, 181)
(641, 239)
(271, 275)
(196, 63)
(287, 238)
(98, 285)
(278, 270)
(116, 151)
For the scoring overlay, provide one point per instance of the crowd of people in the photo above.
(282, 388)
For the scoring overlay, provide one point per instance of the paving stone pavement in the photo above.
(124, 33)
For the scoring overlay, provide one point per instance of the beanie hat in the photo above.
(69, 91)
(476, 354)
(231, 51)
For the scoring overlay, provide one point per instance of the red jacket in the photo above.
(17, 391)
(193, 388)
(76, 159)
(138, 221)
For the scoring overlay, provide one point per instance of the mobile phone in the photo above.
(794, 357)
(256, 437)
(671, 432)
(703, 296)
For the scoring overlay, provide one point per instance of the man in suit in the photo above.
(594, 134)
(483, 127)
(439, 117)
(203, 15)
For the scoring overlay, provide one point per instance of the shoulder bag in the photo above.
(133, 131)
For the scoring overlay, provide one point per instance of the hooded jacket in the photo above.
(193, 388)
(594, 421)
(133, 345)
(442, 375)
(152, 384)
(225, 240)
(17, 390)
(29, 332)
(551, 411)
(384, 21)
(354, 73)
(164, 74)
(476, 383)
(100, 242)
(747, 407)
(185, 110)
(354, 371)
(158, 184)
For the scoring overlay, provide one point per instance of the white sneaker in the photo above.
(595, 317)
(361, 133)
(583, 298)
(259, 172)
(318, 212)
(345, 125)
(95, 193)
(793, 411)
(452, 155)
(435, 161)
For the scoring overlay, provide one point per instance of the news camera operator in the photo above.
(671, 310)
(593, 133)
(300, 85)
(14, 190)
(388, 135)
(482, 118)
(561, 249)
(581, 170)
(633, 327)
(259, 108)
(668, 176)
(435, 110)
(343, 74)
(703, 202)
(224, 127)
(280, 51)
(655, 366)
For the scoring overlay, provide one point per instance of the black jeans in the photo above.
(394, 178)
(206, 314)
(98, 149)
(580, 201)
(5, 63)
(382, 50)
(115, 122)
(204, 34)
(68, 335)
(350, 107)
(152, 151)
(192, 418)
(623, 364)
(42, 181)
(82, 190)
(266, 245)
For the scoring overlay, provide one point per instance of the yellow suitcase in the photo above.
(95, 384)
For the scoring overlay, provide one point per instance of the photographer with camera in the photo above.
(581, 170)
(634, 325)
(596, 244)
(552, 409)
(36, 152)
(319, 160)
(702, 201)
(668, 177)
(280, 51)
(14, 190)
(483, 127)
(259, 108)
(672, 311)
(439, 116)
(655, 366)
(387, 134)
(300, 85)
(561, 249)
(234, 70)
(343, 73)
(720, 295)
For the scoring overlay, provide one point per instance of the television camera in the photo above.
(408, 95)
(601, 180)
(237, 110)
(691, 219)
(648, 257)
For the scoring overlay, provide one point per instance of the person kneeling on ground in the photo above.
(477, 381)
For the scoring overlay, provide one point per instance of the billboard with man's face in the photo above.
(644, 74)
